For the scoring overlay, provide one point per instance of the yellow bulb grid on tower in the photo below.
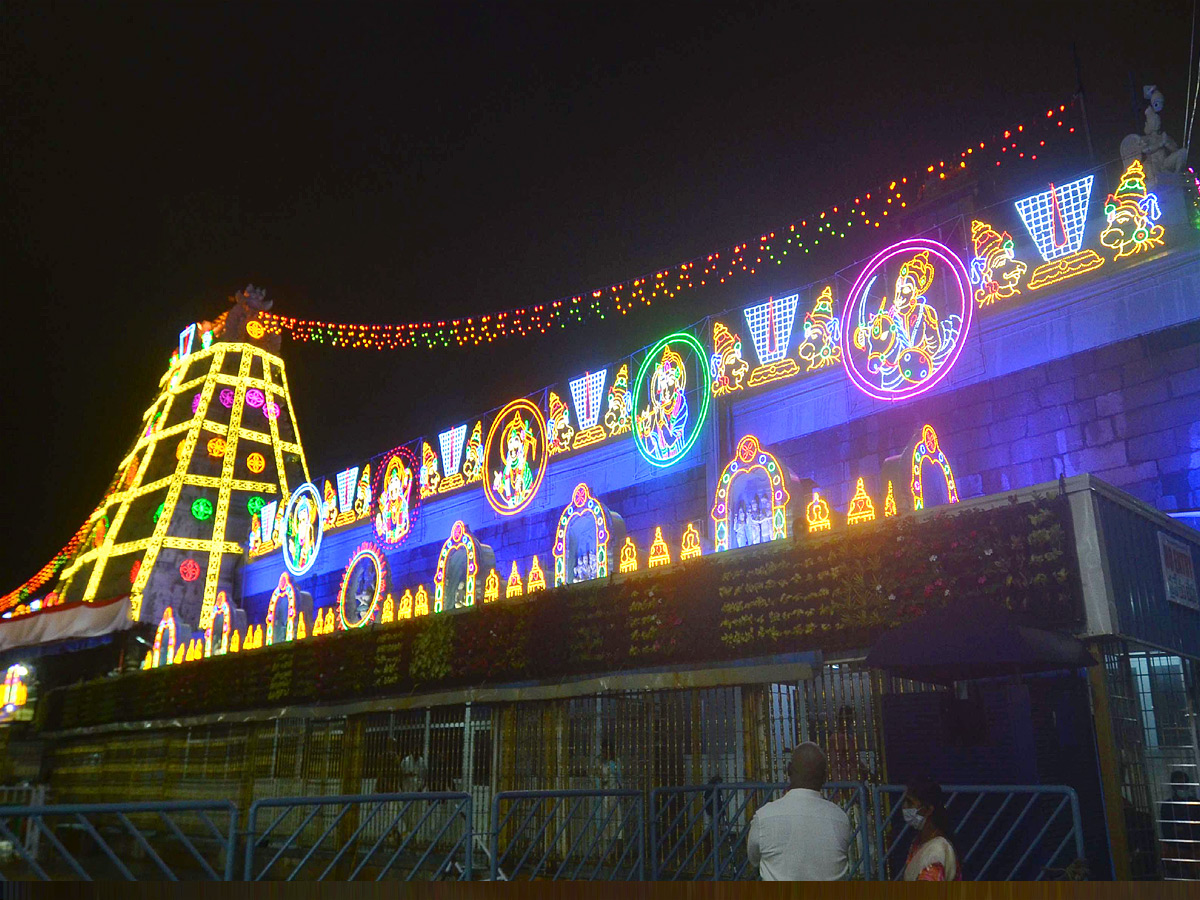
(226, 488)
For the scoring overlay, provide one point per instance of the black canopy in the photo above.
(973, 639)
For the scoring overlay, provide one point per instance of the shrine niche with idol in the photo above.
(751, 505)
(587, 539)
(463, 562)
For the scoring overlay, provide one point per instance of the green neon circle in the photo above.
(255, 504)
(202, 508)
(158, 512)
(705, 392)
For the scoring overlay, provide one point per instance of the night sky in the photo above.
(408, 161)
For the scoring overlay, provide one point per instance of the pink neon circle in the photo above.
(226, 398)
(254, 397)
(946, 255)
(271, 409)
(195, 404)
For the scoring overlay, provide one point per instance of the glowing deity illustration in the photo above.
(905, 340)
(617, 417)
(1132, 214)
(392, 521)
(662, 425)
(558, 426)
(362, 500)
(726, 363)
(331, 509)
(514, 482)
(822, 334)
(994, 267)
(429, 470)
(473, 465)
(302, 533)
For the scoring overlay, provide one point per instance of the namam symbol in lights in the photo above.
(220, 608)
(817, 514)
(629, 561)
(398, 496)
(900, 347)
(363, 585)
(515, 453)
(460, 539)
(666, 429)
(861, 508)
(660, 554)
(587, 396)
(283, 591)
(582, 504)
(726, 366)
(822, 334)
(451, 442)
(771, 329)
(994, 267)
(513, 588)
(1056, 219)
(726, 520)
(929, 449)
(1131, 214)
(690, 545)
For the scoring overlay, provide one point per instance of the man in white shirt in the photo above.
(801, 836)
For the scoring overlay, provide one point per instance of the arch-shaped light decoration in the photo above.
(582, 504)
(460, 539)
(929, 449)
(283, 591)
(166, 629)
(750, 457)
(220, 608)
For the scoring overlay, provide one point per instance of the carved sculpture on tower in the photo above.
(1154, 148)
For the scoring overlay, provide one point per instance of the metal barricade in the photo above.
(419, 836)
(569, 834)
(1001, 832)
(175, 841)
(700, 832)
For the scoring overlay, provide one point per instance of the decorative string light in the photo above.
(746, 258)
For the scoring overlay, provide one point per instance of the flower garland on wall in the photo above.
(870, 210)
(834, 592)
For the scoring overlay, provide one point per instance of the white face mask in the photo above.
(913, 818)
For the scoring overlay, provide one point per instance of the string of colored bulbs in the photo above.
(1021, 142)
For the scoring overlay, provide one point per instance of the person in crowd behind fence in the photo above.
(801, 836)
(1179, 819)
(607, 775)
(932, 856)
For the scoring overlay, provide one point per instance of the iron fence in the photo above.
(175, 841)
(416, 836)
(700, 832)
(1001, 833)
(569, 834)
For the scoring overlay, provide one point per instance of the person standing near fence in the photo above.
(932, 856)
(801, 836)
(608, 778)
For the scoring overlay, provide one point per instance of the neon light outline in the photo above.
(460, 539)
(929, 449)
(628, 561)
(373, 552)
(501, 423)
(750, 457)
(220, 608)
(285, 588)
(861, 508)
(817, 514)
(318, 524)
(858, 296)
(660, 553)
(536, 580)
(690, 545)
(582, 503)
(704, 392)
(407, 461)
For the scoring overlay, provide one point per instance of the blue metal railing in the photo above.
(696, 832)
(571, 834)
(1002, 832)
(129, 841)
(700, 831)
(419, 835)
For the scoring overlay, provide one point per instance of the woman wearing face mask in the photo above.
(932, 856)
